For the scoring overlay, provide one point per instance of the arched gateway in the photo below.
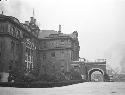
(88, 70)
(92, 67)
(97, 76)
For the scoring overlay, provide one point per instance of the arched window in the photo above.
(29, 49)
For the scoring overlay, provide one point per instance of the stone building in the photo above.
(59, 49)
(91, 70)
(18, 46)
(25, 49)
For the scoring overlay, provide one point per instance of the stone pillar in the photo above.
(4, 77)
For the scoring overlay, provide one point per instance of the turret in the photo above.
(75, 33)
(32, 20)
(59, 29)
(27, 22)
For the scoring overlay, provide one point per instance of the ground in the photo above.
(87, 88)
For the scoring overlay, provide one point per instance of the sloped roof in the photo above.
(67, 35)
(48, 34)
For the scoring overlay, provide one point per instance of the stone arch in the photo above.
(93, 70)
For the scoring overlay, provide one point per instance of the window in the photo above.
(53, 54)
(18, 34)
(62, 65)
(3, 27)
(44, 56)
(0, 47)
(14, 31)
(44, 44)
(21, 34)
(62, 54)
(62, 68)
(29, 55)
(11, 30)
(12, 46)
(62, 42)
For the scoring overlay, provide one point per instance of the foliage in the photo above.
(106, 77)
(51, 72)
(73, 75)
(76, 75)
(116, 76)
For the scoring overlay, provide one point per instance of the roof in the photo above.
(46, 33)
(43, 34)
(50, 34)
(11, 18)
(17, 23)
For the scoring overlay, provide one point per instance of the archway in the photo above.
(96, 74)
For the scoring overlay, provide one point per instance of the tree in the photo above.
(114, 73)
(106, 77)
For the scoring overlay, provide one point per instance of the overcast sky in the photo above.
(100, 23)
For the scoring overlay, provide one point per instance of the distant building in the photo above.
(25, 49)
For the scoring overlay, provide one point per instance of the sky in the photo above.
(100, 23)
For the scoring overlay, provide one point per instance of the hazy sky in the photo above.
(100, 23)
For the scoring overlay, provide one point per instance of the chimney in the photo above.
(2, 12)
(27, 22)
(75, 33)
(34, 21)
(31, 19)
(59, 29)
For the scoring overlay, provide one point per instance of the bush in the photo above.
(75, 75)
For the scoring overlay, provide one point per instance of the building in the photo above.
(89, 68)
(59, 49)
(18, 46)
(25, 49)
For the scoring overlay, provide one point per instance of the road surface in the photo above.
(87, 88)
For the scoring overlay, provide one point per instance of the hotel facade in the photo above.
(25, 49)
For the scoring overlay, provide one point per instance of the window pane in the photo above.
(53, 54)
